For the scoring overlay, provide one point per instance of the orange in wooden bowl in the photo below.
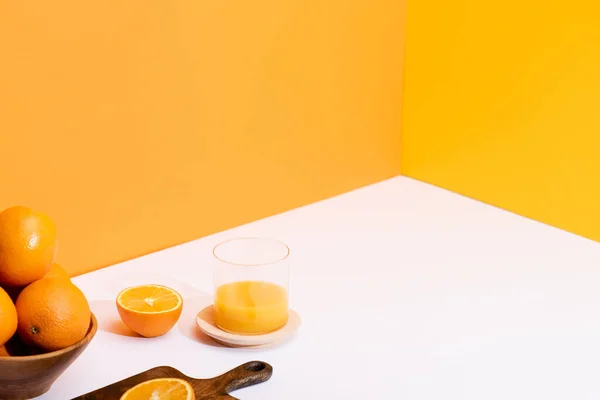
(56, 271)
(161, 389)
(149, 310)
(53, 314)
(8, 317)
(28, 376)
(28, 246)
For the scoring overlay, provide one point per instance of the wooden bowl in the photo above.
(31, 375)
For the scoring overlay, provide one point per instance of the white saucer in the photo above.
(206, 323)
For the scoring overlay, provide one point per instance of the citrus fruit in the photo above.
(28, 246)
(8, 317)
(52, 314)
(149, 310)
(56, 271)
(160, 389)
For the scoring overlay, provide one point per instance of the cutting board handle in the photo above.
(250, 373)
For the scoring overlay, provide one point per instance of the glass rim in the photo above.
(285, 246)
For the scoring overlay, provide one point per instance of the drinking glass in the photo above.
(251, 285)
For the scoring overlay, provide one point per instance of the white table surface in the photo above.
(406, 291)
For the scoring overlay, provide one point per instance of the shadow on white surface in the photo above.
(187, 322)
(108, 318)
(110, 321)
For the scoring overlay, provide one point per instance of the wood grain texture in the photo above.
(250, 373)
(24, 373)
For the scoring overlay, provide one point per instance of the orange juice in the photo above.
(250, 307)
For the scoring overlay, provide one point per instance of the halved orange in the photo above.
(161, 389)
(149, 310)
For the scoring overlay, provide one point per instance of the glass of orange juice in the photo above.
(251, 285)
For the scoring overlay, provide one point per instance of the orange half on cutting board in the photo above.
(161, 389)
(149, 310)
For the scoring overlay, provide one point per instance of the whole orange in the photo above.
(8, 317)
(52, 314)
(56, 271)
(28, 246)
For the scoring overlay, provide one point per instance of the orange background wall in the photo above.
(139, 125)
(502, 104)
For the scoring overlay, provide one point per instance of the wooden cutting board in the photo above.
(247, 374)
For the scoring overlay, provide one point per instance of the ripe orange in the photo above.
(149, 310)
(161, 389)
(56, 271)
(8, 317)
(52, 314)
(28, 246)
